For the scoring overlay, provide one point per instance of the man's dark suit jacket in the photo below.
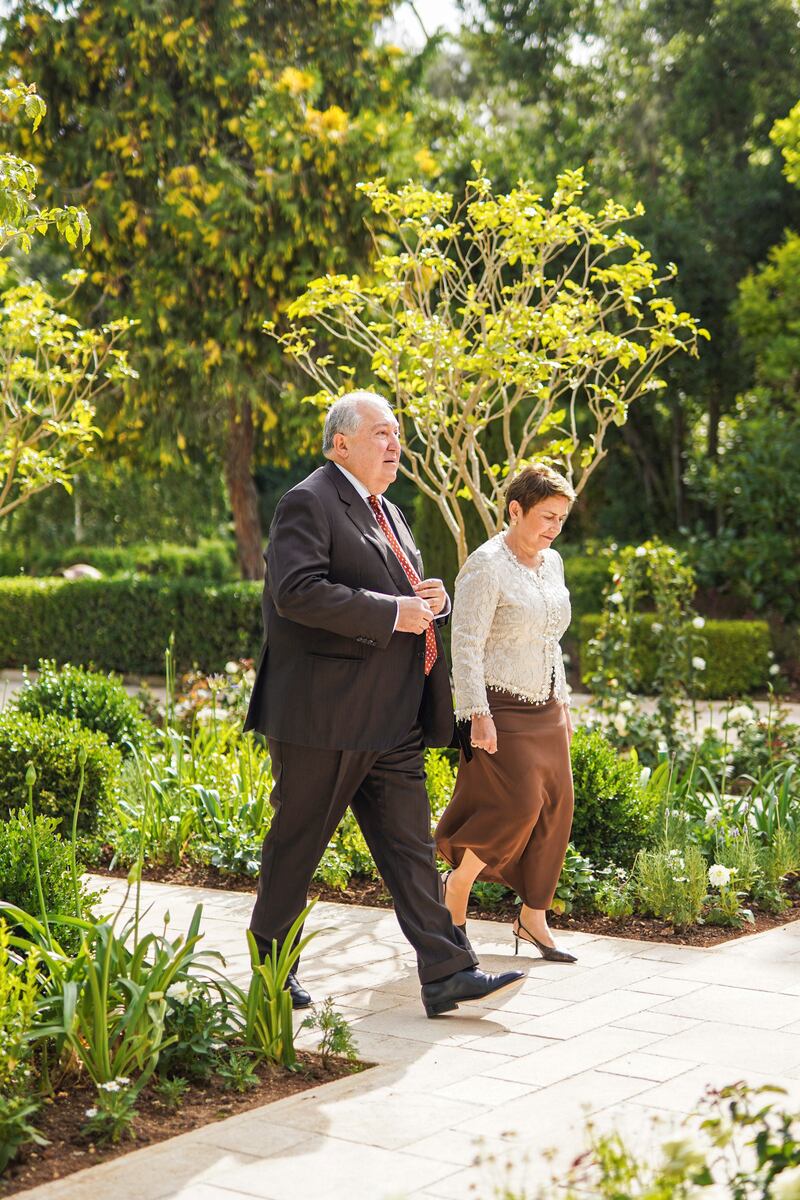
(332, 672)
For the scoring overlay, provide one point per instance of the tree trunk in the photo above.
(242, 494)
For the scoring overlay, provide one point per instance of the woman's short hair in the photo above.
(534, 484)
(344, 415)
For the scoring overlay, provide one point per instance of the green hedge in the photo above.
(53, 745)
(209, 560)
(124, 624)
(736, 654)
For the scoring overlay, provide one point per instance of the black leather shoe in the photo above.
(465, 987)
(300, 997)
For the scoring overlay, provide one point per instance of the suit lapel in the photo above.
(364, 520)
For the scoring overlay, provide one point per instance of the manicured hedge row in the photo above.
(736, 653)
(124, 624)
(210, 559)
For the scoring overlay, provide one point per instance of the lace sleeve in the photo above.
(476, 594)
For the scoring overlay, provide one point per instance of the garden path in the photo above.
(633, 1032)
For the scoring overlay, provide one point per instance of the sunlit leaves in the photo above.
(505, 327)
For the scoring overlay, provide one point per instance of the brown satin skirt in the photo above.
(513, 809)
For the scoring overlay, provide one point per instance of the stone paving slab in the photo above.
(633, 1032)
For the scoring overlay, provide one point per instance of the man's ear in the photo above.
(340, 444)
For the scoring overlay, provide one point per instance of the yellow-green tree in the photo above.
(216, 148)
(507, 329)
(52, 371)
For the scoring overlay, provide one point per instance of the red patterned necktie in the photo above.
(413, 577)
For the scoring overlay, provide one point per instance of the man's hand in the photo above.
(414, 615)
(483, 734)
(432, 590)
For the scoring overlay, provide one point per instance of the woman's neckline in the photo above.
(518, 561)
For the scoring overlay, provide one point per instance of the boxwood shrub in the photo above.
(95, 699)
(736, 654)
(52, 744)
(125, 624)
(210, 559)
(614, 814)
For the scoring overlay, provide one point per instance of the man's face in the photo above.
(372, 453)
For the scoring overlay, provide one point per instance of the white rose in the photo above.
(616, 598)
(626, 706)
(741, 714)
(699, 623)
(699, 663)
(775, 669)
(786, 1186)
(231, 667)
(179, 991)
(719, 876)
(640, 552)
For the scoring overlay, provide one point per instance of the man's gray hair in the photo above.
(344, 415)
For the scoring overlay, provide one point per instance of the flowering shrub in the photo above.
(657, 575)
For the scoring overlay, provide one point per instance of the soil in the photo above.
(372, 893)
(62, 1117)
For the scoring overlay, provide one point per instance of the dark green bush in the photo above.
(124, 624)
(586, 576)
(736, 654)
(97, 701)
(17, 879)
(52, 744)
(211, 560)
(613, 814)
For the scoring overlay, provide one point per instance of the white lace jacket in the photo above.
(507, 621)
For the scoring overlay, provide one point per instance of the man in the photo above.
(351, 685)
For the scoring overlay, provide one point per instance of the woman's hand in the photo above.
(483, 734)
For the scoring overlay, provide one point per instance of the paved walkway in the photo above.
(634, 1031)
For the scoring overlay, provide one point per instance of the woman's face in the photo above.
(542, 523)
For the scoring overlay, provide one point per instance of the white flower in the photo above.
(657, 627)
(204, 715)
(786, 1186)
(620, 724)
(698, 623)
(713, 816)
(91, 1113)
(775, 669)
(662, 748)
(231, 668)
(616, 598)
(680, 879)
(250, 677)
(699, 663)
(111, 1086)
(180, 991)
(626, 706)
(741, 714)
(640, 552)
(123, 1080)
(719, 876)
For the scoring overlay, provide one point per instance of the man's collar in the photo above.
(363, 492)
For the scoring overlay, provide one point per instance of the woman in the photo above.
(511, 813)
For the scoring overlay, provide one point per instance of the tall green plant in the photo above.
(267, 1006)
(657, 575)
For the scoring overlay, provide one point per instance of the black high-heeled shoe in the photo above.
(445, 878)
(551, 953)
